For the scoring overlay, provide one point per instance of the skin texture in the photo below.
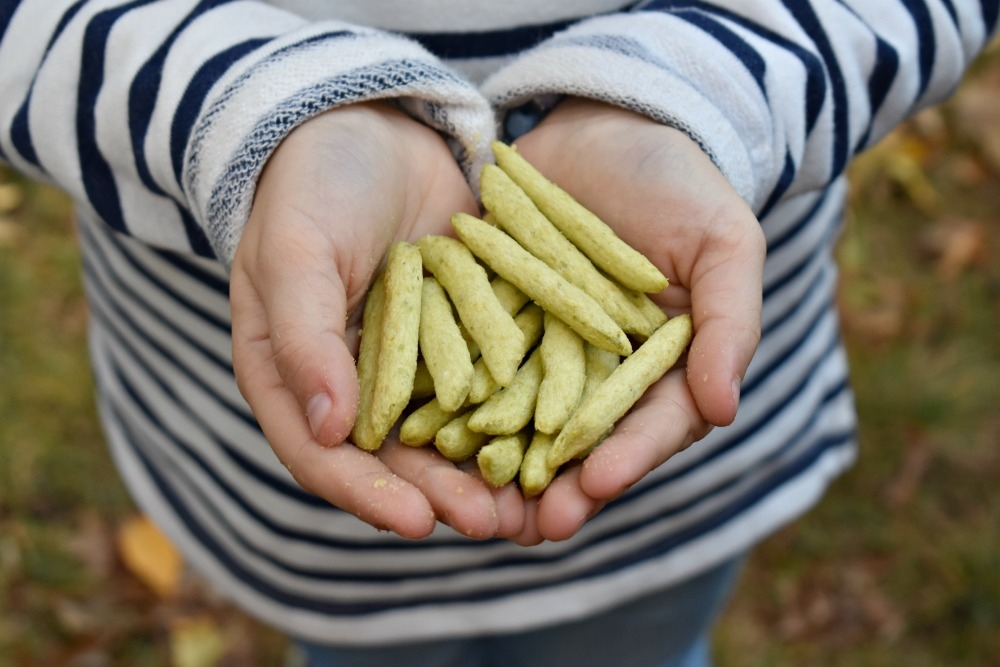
(345, 185)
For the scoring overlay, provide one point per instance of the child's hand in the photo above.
(337, 192)
(661, 193)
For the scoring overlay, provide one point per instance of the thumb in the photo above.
(726, 311)
(293, 321)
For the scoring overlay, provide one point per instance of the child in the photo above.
(240, 169)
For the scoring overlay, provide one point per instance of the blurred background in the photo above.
(899, 565)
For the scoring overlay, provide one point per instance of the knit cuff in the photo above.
(300, 77)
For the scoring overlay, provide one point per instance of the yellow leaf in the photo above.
(149, 556)
(906, 166)
(196, 642)
(11, 197)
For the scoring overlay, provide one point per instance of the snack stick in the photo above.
(510, 409)
(500, 459)
(423, 383)
(474, 351)
(600, 365)
(564, 374)
(616, 395)
(588, 232)
(512, 300)
(457, 442)
(516, 214)
(482, 315)
(483, 385)
(363, 432)
(421, 425)
(399, 345)
(530, 322)
(652, 314)
(444, 350)
(543, 285)
(536, 475)
(510, 297)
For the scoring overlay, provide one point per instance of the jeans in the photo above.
(670, 628)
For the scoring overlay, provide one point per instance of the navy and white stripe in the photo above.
(157, 116)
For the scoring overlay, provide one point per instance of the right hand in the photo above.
(661, 193)
(337, 192)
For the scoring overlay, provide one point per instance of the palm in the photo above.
(657, 189)
(332, 199)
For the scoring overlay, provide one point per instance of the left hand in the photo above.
(660, 192)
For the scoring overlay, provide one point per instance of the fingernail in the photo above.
(736, 391)
(317, 409)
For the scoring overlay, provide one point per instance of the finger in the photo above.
(726, 299)
(529, 535)
(459, 499)
(665, 421)
(510, 502)
(345, 476)
(511, 510)
(564, 507)
(305, 303)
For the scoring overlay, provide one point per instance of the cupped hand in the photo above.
(333, 197)
(663, 195)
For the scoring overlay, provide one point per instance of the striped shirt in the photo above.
(157, 116)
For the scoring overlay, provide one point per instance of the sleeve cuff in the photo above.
(304, 75)
(650, 70)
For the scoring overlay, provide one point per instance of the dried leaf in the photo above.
(956, 245)
(73, 616)
(876, 312)
(93, 544)
(906, 165)
(902, 488)
(11, 197)
(149, 556)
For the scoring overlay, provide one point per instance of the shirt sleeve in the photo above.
(779, 94)
(158, 116)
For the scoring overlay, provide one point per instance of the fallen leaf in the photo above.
(149, 556)
(93, 544)
(11, 197)
(956, 245)
(73, 616)
(906, 165)
(876, 311)
(903, 487)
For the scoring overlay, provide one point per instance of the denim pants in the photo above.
(670, 628)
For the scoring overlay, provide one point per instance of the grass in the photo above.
(900, 564)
